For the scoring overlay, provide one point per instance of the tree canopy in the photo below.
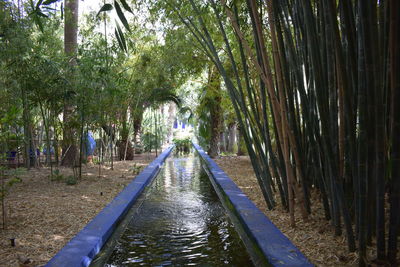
(310, 87)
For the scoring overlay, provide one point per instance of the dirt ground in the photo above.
(43, 215)
(314, 238)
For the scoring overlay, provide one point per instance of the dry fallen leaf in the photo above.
(314, 238)
(43, 215)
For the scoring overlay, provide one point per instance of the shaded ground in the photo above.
(314, 238)
(43, 215)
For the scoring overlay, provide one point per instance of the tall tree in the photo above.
(70, 48)
(213, 93)
(394, 220)
(331, 122)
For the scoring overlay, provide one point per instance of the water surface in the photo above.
(180, 222)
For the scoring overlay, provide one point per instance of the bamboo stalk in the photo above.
(394, 220)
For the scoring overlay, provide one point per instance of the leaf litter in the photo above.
(314, 238)
(43, 215)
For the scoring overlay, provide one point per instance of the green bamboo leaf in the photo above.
(121, 15)
(49, 8)
(104, 8)
(32, 4)
(49, 2)
(131, 44)
(41, 14)
(185, 110)
(121, 38)
(126, 6)
(39, 23)
(38, 4)
(35, 14)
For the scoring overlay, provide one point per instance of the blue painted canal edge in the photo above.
(81, 249)
(267, 245)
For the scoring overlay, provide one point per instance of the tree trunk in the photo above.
(394, 199)
(171, 118)
(137, 126)
(48, 145)
(222, 141)
(125, 149)
(231, 137)
(214, 85)
(27, 132)
(240, 142)
(70, 48)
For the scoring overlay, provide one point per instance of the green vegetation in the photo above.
(71, 180)
(308, 89)
(57, 176)
(135, 169)
(182, 145)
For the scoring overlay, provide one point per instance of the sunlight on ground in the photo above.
(57, 237)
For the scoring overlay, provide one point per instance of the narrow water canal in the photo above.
(180, 222)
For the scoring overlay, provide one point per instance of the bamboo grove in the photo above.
(315, 88)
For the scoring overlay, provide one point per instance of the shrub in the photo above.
(57, 176)
(182, 145)
(71, 180)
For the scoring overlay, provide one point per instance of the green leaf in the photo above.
(126, 6)
(35, 15)
(13, 181)
(32, 4)
(186, 109)
(39, 13)
(121, 38)
(49, 2)
(121, 15)
(131, 44)
(38, 4)
(105, 7)
(49, 8)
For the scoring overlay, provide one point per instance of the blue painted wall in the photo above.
(277, 248)
(81, 249)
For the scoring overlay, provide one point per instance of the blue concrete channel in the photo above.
(267, 245)
(118, 235)
(81, 250)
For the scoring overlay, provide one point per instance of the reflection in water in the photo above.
(181, 222)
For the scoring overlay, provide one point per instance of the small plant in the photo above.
(227, 154)
(71, 180)
(135, 169)
(57, 176)
(96, 160)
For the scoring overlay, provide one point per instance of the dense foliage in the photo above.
(309, 87)
(314, 87)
